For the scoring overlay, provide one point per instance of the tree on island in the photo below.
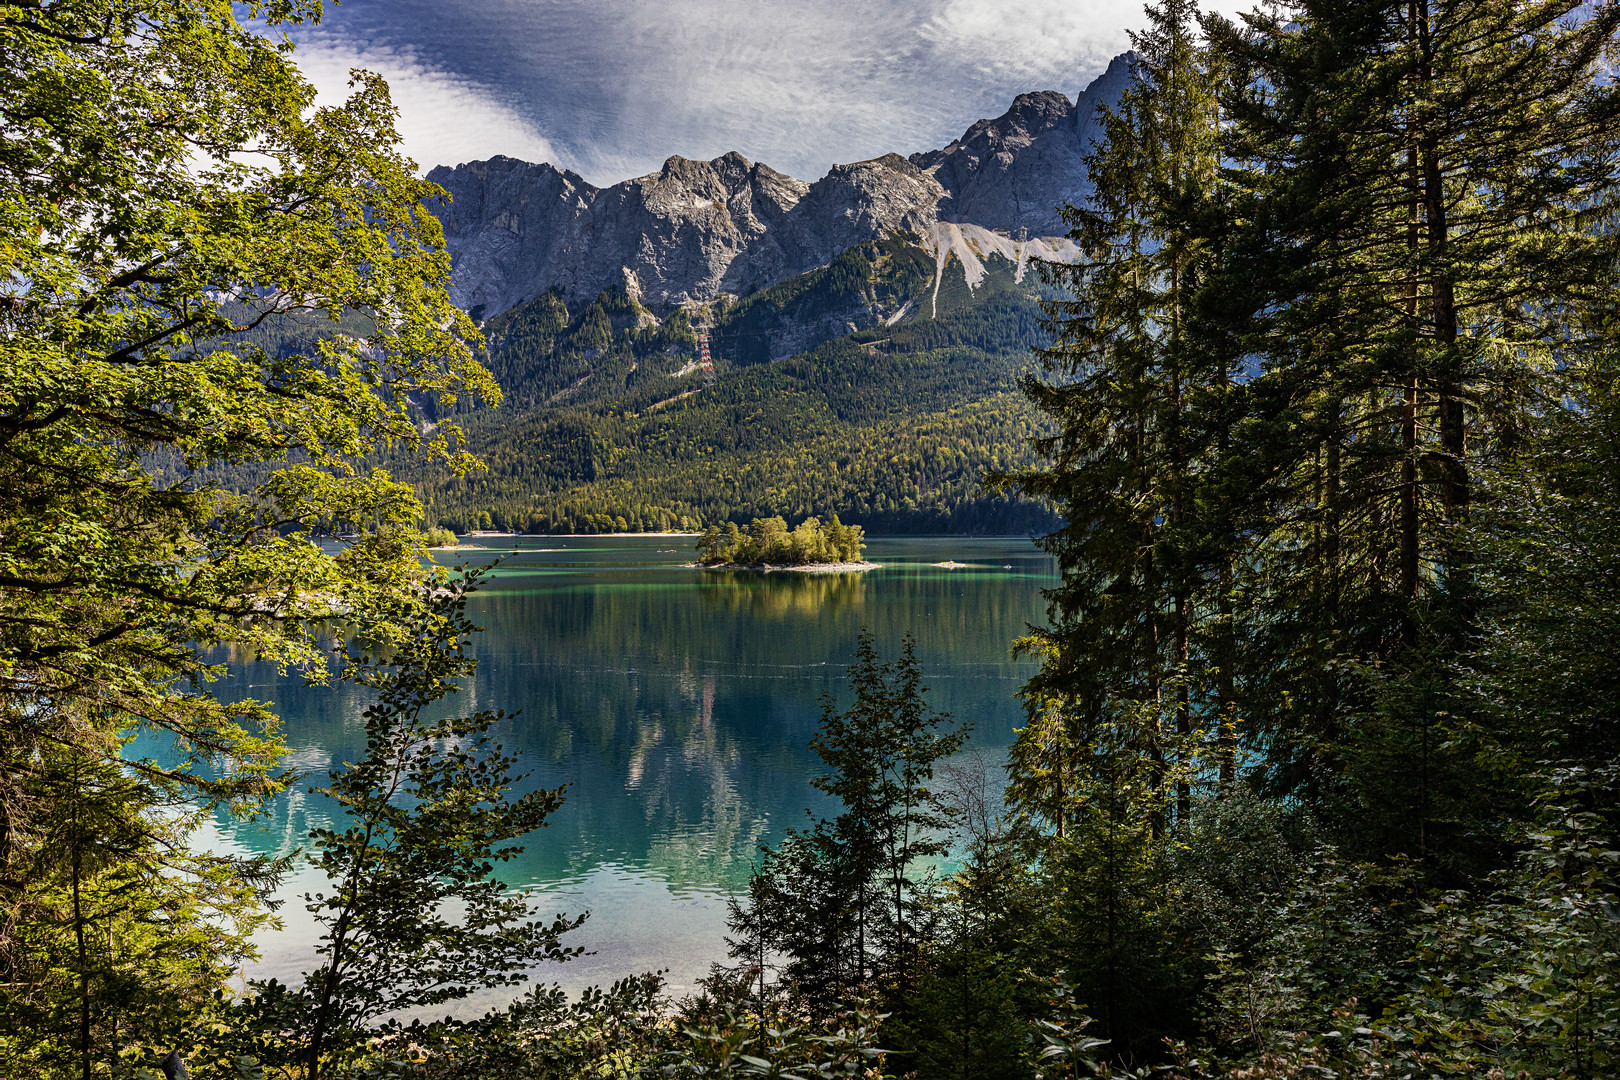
(439, 536)
(769, 542)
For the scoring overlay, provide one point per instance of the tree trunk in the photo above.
(1183, 716)
(1410, 390)
(83, 948)
(1225, 688)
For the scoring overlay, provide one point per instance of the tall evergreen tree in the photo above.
(118, 933)
(1406, 222)
(1139, 401)
(842, 900)
(1420, 204)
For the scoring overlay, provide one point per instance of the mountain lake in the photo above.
(678, 705)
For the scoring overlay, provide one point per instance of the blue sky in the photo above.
(610, 88)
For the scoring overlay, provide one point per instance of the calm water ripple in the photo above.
(677, 704)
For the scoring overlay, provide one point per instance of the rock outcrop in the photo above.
(696, 229)
(1014, 172)
(690, 231)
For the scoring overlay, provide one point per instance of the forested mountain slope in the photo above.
(611, 426)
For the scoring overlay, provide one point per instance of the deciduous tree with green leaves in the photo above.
(168, 188)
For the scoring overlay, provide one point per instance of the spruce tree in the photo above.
(843, 900)
(1420, 205)
(413, 915)
(1139, 402)
(118, 936)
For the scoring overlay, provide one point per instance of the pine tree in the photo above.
(846, 891)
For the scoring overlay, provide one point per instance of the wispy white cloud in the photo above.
(443, 117)
(1036, 38)
(613, 87)
(1032, 37)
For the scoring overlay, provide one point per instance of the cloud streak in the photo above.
(611, 88)
(1032, 38)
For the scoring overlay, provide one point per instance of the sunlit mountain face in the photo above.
(612, 89)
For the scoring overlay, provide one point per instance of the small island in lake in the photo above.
(768, 544)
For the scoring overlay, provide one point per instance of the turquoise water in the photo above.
(677, 704)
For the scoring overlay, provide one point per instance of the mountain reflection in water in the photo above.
(678, 705)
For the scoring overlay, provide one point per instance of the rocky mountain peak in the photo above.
(1037, 111)
(886, 161)
(1013, 172)
(695, 228)
(731, 170)
(1031, 116)
(1105, 89)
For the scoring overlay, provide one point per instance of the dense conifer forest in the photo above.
(1321, 766)
(610, 428)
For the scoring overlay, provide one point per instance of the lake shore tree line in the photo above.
(1322, 764)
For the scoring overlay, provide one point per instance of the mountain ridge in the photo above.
(696, 230)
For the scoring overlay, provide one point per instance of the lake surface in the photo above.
(677, 704)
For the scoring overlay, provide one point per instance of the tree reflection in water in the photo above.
(680, 703)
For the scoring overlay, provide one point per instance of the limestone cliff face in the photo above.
(696, 229)
(1014, 172)
(513, 229)
(691, 230)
